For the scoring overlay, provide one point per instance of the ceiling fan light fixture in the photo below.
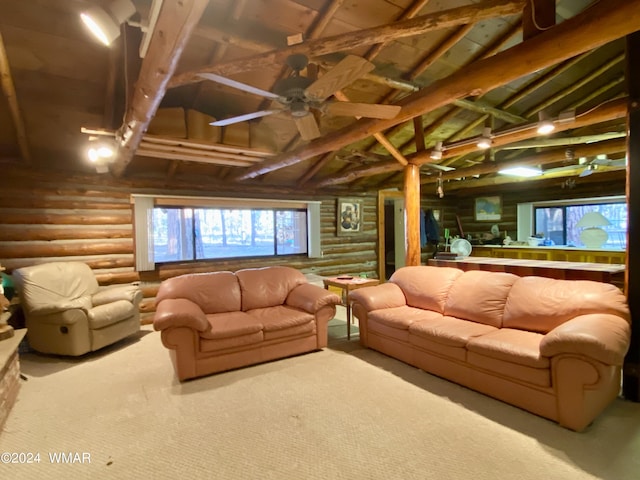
(485, 141)
(105, 25)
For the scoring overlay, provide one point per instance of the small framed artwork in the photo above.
(488, 209)
(349, 216)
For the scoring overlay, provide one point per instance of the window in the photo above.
(558, 222)
(178, 229)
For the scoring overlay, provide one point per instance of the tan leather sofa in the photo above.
(212, 322)
(552, 347)
(67, 313)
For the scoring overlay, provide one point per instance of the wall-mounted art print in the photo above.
(349, 219)
(488, 208)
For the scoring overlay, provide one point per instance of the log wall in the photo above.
(46, 218)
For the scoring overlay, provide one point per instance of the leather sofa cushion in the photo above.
(515, 346)
(540, 304)
(231, 324)
(263, 288)
(213, 292)
(384, 330)
(403, 317)
(450, 331)
(239, 341)
(520, 373)
(52, 283)
(426, 288)
(280, 318)
(426, 343)
(480, 296)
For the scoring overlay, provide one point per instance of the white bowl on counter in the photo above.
(535, 241)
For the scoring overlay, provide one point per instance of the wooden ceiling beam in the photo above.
(9, 90)
(175, 23)
(544, 158)
(612, 20)
(380, 34)
(410, 12)
(610, 111)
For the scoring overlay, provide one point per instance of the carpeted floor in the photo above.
(342, 413)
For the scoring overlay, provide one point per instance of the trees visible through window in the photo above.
(184, 233)
(559, 223)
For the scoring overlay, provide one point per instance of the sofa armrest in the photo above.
(386, 295)
(82, 303)
(131, 293)
(180, 312)
(603, 337)
(311, 298)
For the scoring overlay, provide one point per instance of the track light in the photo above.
(436, 153)
(484, 141)
(545, 125)
(105, 25)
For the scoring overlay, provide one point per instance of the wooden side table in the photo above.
(348, 284)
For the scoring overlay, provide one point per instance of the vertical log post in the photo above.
(412, 214)
(631, 368)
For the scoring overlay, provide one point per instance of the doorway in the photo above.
(391, 233)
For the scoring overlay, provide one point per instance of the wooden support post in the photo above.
(631, 369)
(412, 214)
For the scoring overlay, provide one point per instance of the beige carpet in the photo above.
(343, 413)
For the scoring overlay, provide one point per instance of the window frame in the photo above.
(527, 213)
(143, 206)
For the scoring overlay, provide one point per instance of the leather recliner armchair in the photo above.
(68, 313)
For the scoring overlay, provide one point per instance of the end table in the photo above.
(347, 283)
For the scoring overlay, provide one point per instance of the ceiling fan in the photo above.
(299, 95)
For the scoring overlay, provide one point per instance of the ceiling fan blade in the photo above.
(239, 85)
(244, 118)
(307, 126)
(345, 72)
(362, 110)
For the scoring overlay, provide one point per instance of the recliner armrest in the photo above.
(386, 295)
(311, 298)
(603, 337)
(180, 312)
(114, 293)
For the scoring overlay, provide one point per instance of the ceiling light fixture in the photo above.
(105, 25)
(521, 171)
(484, 141)
(545, 125)
(436, 153)
(100, 153)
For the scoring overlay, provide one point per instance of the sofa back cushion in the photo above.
(55, 282)
(213, 292)
(426, 287)
(540, 304)
(267, 286)
(480, 296)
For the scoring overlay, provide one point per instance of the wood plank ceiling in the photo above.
(455, 67)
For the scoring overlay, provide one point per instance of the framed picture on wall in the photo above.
(488, 208)
(349, 216)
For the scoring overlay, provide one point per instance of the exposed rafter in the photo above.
(173, 28)
(611, 19)
(370, 36)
